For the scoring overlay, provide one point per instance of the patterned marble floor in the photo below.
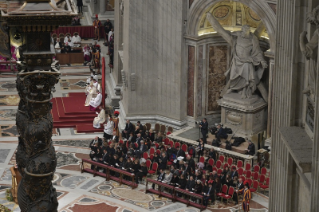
(81, 192)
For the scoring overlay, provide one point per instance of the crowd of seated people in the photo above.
(175, 166)
(67, 44)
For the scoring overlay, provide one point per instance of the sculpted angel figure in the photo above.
(247, 61)
(309, 49)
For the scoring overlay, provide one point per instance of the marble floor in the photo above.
(82, 192)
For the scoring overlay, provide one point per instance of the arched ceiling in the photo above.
(232, 16)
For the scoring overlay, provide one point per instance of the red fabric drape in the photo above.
(84, 31)
(103, 82)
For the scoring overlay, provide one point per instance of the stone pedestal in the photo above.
(246, 117)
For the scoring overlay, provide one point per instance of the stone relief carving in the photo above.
(133, 81)
(233, 118)
(309, 49)
(247, 62)
(216, 75)
(123, 73)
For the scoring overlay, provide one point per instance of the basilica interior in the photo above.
(170, 105)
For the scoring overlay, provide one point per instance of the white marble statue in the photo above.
(309, 49)
(100, 119)
(247, 61)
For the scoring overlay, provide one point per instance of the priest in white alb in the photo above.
(68, 40)
(89, 87)
(76, 40)
(96, 102)
(100, 119)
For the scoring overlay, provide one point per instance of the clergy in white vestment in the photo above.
(89, 80)
(92, 84)
(76, 40)
(100, 119)
(108, 128)
(96, 102)
(57, 47)
(68, 40)
(89, 96)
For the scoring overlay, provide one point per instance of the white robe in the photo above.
(76, 40)
(57, 47)
(89, 96)
(99, 119)
(66, 40)
(109, 35)
(108, 128)
(95, 102)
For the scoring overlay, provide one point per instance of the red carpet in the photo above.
(70, 112)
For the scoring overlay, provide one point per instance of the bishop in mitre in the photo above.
(96, 102)
(100, 119)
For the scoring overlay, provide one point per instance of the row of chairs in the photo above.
(158, 128)
(254, 185)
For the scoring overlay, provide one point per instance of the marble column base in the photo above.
(152, 119)
(246, 117)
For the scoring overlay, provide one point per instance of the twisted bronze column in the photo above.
(36, 157)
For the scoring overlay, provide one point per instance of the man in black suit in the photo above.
(159, 138)
(138, 139)
(115, 138)
(94, 141)
(141, 129)
(179, 153)
(251, 148)
(204, 129)
(190, 184)
(163, 161)
(191, 163)
(234, 173)
(141, 149)
(239, 186)
(128, 129)
(160, 177)
(187, 170)
(220, 133)
(209, 193)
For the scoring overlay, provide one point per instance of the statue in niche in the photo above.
(310, 49)
(247, 62)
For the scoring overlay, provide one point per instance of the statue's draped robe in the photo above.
(245, 70)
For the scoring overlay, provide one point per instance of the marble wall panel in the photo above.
(199, 80)
(190, 81)
(217, 66)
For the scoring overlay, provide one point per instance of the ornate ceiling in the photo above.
(232, 16)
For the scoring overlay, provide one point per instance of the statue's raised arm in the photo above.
(216, 25)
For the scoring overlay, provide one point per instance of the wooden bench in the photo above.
(107, 175)
(173, 195)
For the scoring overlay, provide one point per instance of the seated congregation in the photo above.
(144, 153)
